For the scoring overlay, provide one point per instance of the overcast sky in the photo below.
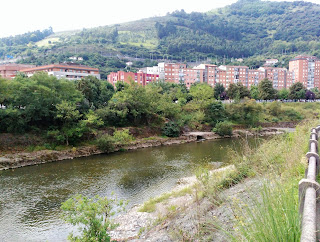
(20, 16)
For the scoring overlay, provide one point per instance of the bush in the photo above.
(91, 216)
(293, 114)
(105, 143)
(171, 129)
(122, 136)
(223, 129)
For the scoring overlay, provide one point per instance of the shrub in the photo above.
(171, 129)
(248, 112)
(105, 143)
(122, 136)
(275, 108)
(91, 216)
(292, 114)
(223, 129)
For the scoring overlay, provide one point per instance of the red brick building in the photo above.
(128, 77)
(9, 71)
(306, 70)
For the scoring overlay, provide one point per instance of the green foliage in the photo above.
(122, 136)
(105, 143)
(95, 91)
(215, 113)
(266, 90)
(223, 129)
(201, 94)
(283, 93)
(247, 112)
(171, 129)
(238, 91)
(91, 215)
(297, 91)
(34, 100)
(218, 91)
(278, 210)
(275, 108)
(254, 92)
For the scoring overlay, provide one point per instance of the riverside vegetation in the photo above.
(59, 114)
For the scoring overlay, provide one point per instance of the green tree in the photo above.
(254, 92)
(283, 93)
(91, 215)
(247, 112)
(297, 91)
(215, 113)
(238, 91)
(69, 116)
(266, 90)
(201, 94)
(35, 99)
(97, 92)
(218, 90)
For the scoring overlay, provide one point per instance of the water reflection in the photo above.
(30, 197)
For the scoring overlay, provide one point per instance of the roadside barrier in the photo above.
(309, 191)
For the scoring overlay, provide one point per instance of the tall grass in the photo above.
(273, 215)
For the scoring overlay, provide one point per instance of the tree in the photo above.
(215, 113)
(246, 112)
(201, 94)
(97, 92)
(316, 92)
(266, 90)
(283, 93)
(69, 116)
(254, 92)
(238, 91)
(297, 91)
(91, 215)
(310, 95)
(218, 91)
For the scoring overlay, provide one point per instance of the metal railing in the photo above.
(309, 190)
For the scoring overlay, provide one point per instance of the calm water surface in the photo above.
(30, 197)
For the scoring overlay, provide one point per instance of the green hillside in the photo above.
(248, 28)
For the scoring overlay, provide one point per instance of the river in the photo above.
(31, 197)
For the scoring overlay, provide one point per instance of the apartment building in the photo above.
(128, 77)
(278, 76)
(254, 76)
(9, 71)
(306, 70)
(174, 72)
(68, 71)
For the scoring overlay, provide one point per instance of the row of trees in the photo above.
(265, 91)
(68, 112)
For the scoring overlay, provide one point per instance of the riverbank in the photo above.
(182, 213)
(235, 207)
(21, 159)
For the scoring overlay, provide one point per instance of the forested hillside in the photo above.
(248, 28)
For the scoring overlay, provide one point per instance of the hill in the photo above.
(246, 28)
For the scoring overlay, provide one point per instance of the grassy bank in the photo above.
(272, 212)
(264, 211)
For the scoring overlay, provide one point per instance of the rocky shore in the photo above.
(21, 159)
(179, 218)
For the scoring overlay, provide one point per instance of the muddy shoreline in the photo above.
(22, 159)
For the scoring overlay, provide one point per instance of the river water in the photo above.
(30, 197)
